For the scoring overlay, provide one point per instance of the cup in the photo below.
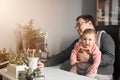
(33, 62)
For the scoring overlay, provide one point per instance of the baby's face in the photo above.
(88, 40)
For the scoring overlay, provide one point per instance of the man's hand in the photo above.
(40, 65)
(83, 57)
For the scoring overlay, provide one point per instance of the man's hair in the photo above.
(89, 31)
(86, 18)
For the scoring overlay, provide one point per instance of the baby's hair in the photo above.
(89, 31)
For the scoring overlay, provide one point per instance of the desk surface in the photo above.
(3, 72)
(52, 74)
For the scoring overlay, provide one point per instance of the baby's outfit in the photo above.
(85, 68)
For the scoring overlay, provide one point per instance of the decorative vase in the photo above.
(99, 13)
(33, 61)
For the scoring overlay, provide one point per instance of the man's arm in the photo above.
(107, 48)
(61, 57)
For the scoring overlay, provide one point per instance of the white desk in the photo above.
(3, 73)
(52, 74)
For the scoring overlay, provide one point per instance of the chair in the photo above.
(114, 31)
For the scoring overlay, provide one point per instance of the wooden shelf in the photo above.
(3, 64)
(107, 11)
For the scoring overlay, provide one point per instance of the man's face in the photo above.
(81, 25)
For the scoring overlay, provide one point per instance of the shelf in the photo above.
(107, 11)
(3, 64)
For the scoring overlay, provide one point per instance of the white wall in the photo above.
(56, 17)
(13, 12)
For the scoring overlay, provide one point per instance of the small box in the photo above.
(13, 69)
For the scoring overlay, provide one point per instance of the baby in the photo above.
(87, 44)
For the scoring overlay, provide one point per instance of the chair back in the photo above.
(114, 31)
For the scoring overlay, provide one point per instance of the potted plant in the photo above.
(31, 75)
(32, 61)
(3, 54)
(18, 58)
(31, 34)
(17, 63)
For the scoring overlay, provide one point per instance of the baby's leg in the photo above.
(74, 68)
(92, 71)
(91, 75)
(82, 68)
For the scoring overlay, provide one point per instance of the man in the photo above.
(107, 48)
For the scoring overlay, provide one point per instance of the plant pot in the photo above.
(33, 62)
(35, 78)
(29, 78)
(13, 69)
(39, 78)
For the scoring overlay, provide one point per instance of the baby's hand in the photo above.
(40, 65)
(91, 69)
(91, 72)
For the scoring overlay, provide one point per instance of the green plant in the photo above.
(21, 58)
(11, 57)
(27, 75)
(30, 34)
(28, 71)
(18, 58)
(37, 72)
(32, 74)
